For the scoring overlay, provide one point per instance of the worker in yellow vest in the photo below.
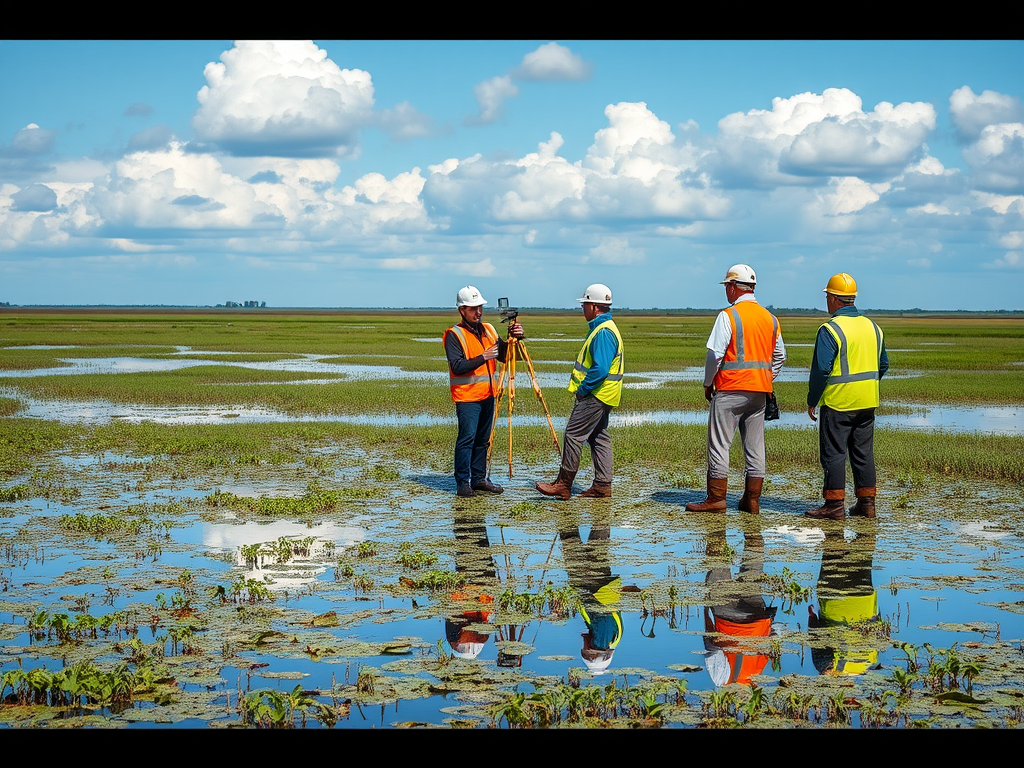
(472, 347)
(849, 361)
(596, 381)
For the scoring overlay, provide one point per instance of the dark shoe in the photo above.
(750, 500)
(487, 485)
(715, 501)
(561, 488)
(465, 489)
(832, 509)
(865, 506)
(597, 491)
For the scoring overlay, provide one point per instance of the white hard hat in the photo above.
(718, 667)
(469, 297)
(598, 293)
(740, 273)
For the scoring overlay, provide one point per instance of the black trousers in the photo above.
(843, 434)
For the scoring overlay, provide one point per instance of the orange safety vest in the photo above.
(747, 365)
(744, 664)
(479, 384)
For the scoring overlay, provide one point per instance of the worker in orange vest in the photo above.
(472, 347)
(745, 354)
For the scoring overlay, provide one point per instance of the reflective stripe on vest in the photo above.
(610, 390)
(747, 365)
(478, 385)
(853, 382)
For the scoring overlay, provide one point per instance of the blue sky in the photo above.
(391, 173)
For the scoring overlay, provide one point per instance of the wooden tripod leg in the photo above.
(512, 347)
(540, 396)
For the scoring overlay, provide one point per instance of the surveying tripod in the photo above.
(516, 349)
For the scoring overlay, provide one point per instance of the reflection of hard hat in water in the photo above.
(597, 660)
(465, 643)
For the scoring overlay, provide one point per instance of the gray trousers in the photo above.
(588, 423)
(732, 410)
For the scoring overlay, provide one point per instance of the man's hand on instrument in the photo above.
(516, 330)
(491, 352)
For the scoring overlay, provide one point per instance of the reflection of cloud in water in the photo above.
(1007, 420)
(228, 536)
(294, 573)
(982, 530)
(794, 533)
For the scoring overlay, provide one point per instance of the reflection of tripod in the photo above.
(516, 349)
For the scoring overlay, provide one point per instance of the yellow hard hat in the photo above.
(841, 285)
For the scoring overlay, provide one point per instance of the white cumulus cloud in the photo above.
(614, 250)
(491, 96)
(552, 61)
(972, 113)
(810, 136)
(283, 98)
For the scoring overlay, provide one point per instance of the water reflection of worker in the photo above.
(474, 563)
(589, 568)
(736, 610)
(846, 596)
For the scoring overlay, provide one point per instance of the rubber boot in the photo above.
(598, 491)
(834, 507)
(750, 500)
(486, 485)
(561, 488)
(865, 506)
(715, 501)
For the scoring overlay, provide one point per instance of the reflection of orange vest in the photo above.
(744, 665)
(747, 365)
(478, 384)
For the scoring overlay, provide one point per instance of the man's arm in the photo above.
(718, 342)
(825, 351)
(883, 361)
(778, 357)
(603, 349)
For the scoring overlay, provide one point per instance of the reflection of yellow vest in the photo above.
(843, 611)
(479, 384)
(853, 382)
(610, 390)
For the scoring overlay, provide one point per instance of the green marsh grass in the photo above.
(961, 361)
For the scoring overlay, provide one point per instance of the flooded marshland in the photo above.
(234, 550)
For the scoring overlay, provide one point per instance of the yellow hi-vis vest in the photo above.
(853, 383)
(610, 390)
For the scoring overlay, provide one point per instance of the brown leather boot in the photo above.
(834, 507)
(598, 491)
(865, 506)
(561, 488)
(750, 500)
(715, 501)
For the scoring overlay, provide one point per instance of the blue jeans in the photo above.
(475, 422)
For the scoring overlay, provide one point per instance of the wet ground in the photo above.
(940, 573)
(712, 604)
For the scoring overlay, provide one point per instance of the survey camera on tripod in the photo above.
(507, 313)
